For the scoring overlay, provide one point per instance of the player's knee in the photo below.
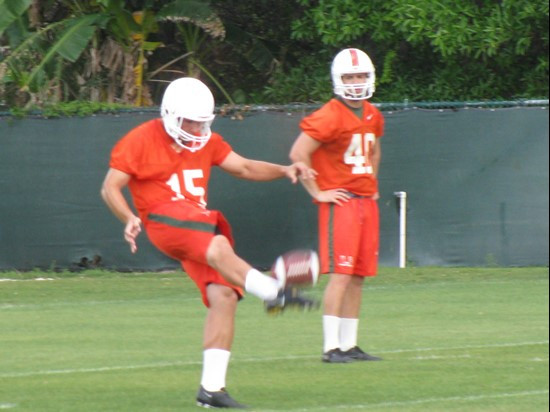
(339, 280)
(218, 250)
(221, 296)
(357, 280)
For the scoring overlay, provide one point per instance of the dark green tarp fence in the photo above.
(476, 183)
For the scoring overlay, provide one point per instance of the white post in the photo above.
(402, 196)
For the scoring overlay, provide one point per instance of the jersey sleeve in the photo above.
(126, 153)
(222, 149)
(321, 124)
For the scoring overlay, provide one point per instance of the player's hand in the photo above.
(131, 232)
(337, 196)
(300, 169)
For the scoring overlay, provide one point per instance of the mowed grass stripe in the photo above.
(169, 364)
(397, 404)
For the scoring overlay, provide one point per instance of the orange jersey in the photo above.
(344, 158)
(158, 173)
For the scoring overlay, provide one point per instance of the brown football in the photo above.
(297, 267)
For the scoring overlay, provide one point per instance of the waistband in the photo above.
(356, 196)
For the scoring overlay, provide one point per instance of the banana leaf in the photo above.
(11, 10)
(70, 43)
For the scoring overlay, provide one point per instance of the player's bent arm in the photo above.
(111, 192)
(301, 151)
(303, 148)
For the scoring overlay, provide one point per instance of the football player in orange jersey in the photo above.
(166, 164)
(341, 141)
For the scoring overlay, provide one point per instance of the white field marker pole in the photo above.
(402, 196)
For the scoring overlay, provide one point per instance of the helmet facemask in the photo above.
(355, 91)
(190, 141)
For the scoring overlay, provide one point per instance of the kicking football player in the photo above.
(341, 141)
(166, 165)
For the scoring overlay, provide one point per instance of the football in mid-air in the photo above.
(297, 268)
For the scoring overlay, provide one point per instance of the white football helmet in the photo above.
(187, 98)
(351, 61)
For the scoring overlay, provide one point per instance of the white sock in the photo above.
(214, 369)
(348, 333)
(260, 285)
(331, 332)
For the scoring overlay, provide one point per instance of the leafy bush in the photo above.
(69, 109)
(116, 51)
(445, 50)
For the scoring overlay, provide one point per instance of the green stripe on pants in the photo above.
(183, 224)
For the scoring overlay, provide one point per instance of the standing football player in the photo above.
(166, 164)
(341, 141)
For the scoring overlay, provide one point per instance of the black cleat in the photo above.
(218, 399)
(336, 356)
(356, 353)
(289, 298)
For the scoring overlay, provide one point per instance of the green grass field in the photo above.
(452, 339)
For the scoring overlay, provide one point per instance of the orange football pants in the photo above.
(349, 237)
(183, 231)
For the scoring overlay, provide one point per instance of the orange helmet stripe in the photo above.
(354, 57)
